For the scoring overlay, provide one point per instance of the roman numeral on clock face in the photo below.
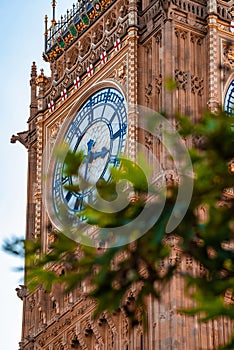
(78, 203)
(68, 196)
(76, 144)
(114, 161)
(90, 115)
(74, 203)
(65, 180)
(120, 132)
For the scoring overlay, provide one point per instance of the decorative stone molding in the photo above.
(192, 21)
(93, 56)
(158, 83)
(181, 79)
(54, 130)
(224, 11)
(198, 9)
(51, 239)
(119, 73)
(31, 300)
(125, 329)
(212, 38)
(99, 339)
(36, 193)
(90, 42)
(196, 39)
(148, 92)
(197, 85)
(149, 139)
(171, 177)
(188, 263)
(228, 55)
(180, 33)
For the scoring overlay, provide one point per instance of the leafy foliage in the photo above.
(207, 240)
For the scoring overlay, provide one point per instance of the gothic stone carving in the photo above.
(180, 33)
(21, 292)
(22, 137)
(181, 78)
(197, 85)
(158, 83)
(228, 55)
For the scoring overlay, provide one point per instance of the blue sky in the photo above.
(22, 42)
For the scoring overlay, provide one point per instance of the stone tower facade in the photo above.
(133, 46)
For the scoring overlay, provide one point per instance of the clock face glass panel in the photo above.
(98, 130)
(229, 99)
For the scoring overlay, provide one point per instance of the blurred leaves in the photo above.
(170, 84)
(72, 163)
(14, 246)
(205, 234)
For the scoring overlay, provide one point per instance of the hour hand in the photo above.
(95, 155)
(90, 144)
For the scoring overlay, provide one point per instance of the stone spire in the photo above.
(33, 105)
(42, 82)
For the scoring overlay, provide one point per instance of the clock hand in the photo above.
(95, 155)
(90, 144)
(120, 132)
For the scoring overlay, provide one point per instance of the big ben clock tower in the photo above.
(106, 57)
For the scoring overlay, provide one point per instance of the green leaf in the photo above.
(170, 84)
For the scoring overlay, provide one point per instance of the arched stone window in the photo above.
(229, 99)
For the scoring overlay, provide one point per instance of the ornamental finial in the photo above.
(46, 25)
(53, 8)
(33, 70)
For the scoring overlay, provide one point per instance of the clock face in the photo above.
(98, 130)
(229, 99)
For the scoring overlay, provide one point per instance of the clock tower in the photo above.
(107, 57)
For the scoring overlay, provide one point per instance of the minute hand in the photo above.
(95, 155)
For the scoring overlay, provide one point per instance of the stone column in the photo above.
(212, 43)
(132, 78)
